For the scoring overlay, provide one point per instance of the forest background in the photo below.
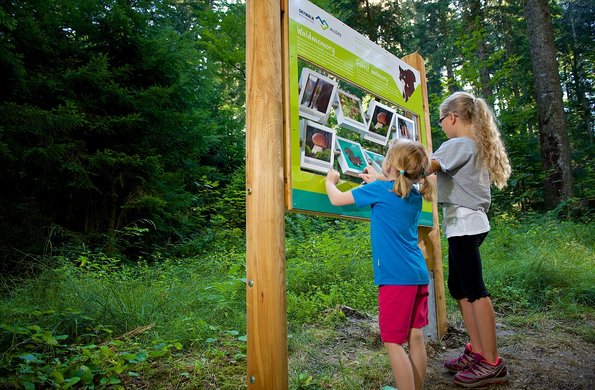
(122, 146)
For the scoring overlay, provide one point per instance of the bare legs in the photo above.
(480, 322)
(409, 370)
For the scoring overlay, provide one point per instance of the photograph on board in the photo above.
(318, 142)
(380, 121)
(350, 113)
(374, 159)
(405, 128)
(316, 95)
(352, 159)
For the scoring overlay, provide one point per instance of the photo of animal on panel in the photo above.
(381, 120)
(374, 159)
(317, 146)
(405, 128)
(352, 159)
(407, 79)
(316, 95)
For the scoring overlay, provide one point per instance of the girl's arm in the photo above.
(336, 196)
(370, 174)
(435, 167)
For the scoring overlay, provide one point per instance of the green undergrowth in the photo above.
(540, 265)
(89, 320)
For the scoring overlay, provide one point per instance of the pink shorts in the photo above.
(401, 309)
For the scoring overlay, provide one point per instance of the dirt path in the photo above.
(542, 355)
(548, 359)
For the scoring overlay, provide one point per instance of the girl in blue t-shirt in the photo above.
(400, 270)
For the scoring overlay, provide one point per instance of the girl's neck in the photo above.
(465, 130)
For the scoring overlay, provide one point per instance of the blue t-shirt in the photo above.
(398, 260)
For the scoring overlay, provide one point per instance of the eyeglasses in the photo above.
(439, 123)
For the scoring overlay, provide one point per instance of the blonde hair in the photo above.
(491, 150)
(412, 159)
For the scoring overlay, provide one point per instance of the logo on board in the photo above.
(322, 22)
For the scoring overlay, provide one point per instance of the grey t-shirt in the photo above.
(462, 180)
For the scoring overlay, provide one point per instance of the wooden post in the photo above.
(265, 208)
(429, 237)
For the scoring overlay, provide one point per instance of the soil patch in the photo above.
(551, 356)
(536, 360)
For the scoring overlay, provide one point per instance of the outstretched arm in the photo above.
(370, 174)
(336, 196)
(435, 167)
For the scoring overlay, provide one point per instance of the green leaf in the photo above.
(29, 358)
(137, 358)
(85, 374)
(57, 375)
(68, 383)
(112, 380)
(29, 385)
(49, 339)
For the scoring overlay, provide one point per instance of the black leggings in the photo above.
(465, 278)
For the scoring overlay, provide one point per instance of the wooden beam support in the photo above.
(429, 237)
(265, 208)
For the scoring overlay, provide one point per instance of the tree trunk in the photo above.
(577, 73)
(553, 133)
(476, 23)
(451, 81)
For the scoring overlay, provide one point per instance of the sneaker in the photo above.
(463, 362)
(482, 373)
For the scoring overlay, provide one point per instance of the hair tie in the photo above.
(402, 172)
(423, 174)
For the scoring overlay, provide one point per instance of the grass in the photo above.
(91, 320)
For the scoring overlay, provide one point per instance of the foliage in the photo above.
(136, 111)
(547, 262)
(323, 272)
(116, 116)
(97, 319)
(88, 356)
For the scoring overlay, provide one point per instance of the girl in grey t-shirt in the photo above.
(467, 164)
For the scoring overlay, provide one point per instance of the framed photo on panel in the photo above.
(405, 128)
(316, 95)
(351, 157)
(318, 143)
(375, 160)
(350, 113)
(380, 121)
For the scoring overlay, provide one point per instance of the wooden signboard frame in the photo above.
(268, 194)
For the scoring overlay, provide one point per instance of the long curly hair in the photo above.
(412, 159)
(492, 153)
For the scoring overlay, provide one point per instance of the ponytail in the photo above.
(411, 161)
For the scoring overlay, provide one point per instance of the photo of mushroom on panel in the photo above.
(382, 119)
(318, 145)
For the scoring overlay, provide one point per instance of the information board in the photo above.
(348, 99)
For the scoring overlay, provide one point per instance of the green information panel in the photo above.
(349, 98)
